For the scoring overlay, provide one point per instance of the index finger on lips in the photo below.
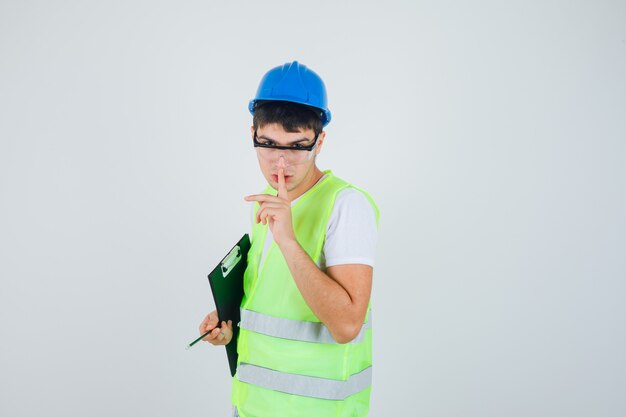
(282, 188)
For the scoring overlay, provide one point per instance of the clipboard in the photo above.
(226, 281)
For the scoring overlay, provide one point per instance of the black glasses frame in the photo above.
(308, 148)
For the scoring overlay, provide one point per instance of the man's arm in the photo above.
(339, 297)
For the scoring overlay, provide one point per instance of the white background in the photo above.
(492, 135)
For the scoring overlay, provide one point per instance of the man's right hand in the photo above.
(221, 335)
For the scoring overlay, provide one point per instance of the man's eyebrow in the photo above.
(300, 140)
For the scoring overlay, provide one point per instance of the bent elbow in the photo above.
(348, 333)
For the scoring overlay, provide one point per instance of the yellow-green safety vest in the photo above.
(289, 364)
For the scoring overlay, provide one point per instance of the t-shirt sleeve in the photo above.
(352, 232)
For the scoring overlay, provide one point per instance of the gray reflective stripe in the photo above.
(307, 386)
(305, 331)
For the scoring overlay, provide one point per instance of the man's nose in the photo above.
(281, 153)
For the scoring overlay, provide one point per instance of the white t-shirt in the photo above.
(351, 232)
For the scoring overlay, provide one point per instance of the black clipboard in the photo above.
(226, 281)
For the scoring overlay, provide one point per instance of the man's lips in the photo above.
(275, 177)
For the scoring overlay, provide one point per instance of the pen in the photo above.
(199, 339)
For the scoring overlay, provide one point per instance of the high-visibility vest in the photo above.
(289, 364)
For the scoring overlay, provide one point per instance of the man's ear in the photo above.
(320, 142)
(252, 132)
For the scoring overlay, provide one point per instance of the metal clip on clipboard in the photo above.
(229, 262)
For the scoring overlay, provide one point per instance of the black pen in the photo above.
(200, 338)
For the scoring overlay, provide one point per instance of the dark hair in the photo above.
(291, 116)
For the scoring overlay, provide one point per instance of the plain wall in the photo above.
(491, 134)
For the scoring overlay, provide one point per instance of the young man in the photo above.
(305, 332)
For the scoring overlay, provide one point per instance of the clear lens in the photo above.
(291, 157)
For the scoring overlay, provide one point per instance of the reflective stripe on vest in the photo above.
(304, 331)
(307, 386)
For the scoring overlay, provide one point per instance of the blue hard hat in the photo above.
(296, 83)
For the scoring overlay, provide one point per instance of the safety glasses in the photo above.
(293, 154)
(269, 144)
